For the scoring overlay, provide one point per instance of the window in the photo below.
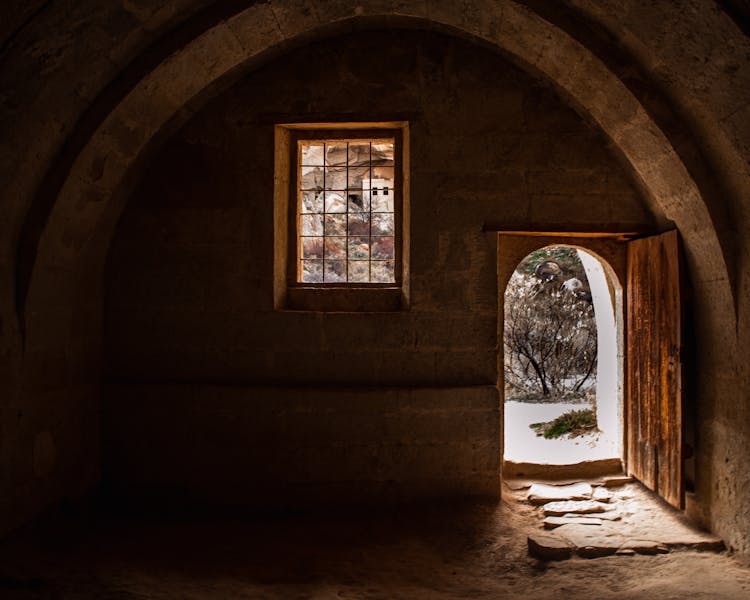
(346, 228)
(345, 207)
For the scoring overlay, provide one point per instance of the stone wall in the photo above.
(242, 447)
(667, 82)
(189, 280)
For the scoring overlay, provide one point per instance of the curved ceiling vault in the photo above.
(75, 239)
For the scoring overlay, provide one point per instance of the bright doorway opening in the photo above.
(563, 359)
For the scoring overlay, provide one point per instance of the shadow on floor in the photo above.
(467, 551)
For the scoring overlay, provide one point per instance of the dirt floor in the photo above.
(447, 552)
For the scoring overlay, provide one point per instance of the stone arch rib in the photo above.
(90, 200)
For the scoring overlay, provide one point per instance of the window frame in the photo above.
(291, 294)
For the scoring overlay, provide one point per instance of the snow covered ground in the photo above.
(523, 445)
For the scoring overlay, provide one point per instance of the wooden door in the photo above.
(654, 371)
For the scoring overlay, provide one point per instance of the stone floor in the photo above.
(427, 552)
(606, 516)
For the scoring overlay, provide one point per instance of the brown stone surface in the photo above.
(667, 83)
(601, 495)
(297, 447)
(641, 546)
(592, 542)
(610, 515)
(553, 522)
(549, 547)
(617, 481)
(189, 285)
(513, 249)
(540, 493)
(573, 507)
(422, 553)
(598, 549)
(635, 519)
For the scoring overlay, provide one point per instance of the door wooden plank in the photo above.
(654, 335)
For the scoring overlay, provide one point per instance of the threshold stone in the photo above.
(540, 493)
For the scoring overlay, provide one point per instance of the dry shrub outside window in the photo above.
(550, 331)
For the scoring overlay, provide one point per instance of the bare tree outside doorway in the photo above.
(550, 332)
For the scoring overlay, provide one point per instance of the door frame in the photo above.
(611, 249)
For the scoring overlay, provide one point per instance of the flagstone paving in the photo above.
(603, 517)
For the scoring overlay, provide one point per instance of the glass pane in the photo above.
(335, 224)
(359, 247)
(336, 153)
(311, 178)
(382, 153)
(311, 202)
(359, 153)
(335, 178)
(312, 153)
(357, 202)
(335, 271)
(357, 175)
(359, 224)
(312, 271)
(335, 248)
(312, 247)
(359, 271)
(383, 224)
(311, 224)
(383, 247)
(382, 271)
(335, 202)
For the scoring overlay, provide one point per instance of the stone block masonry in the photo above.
(308, 407)
(274, 447)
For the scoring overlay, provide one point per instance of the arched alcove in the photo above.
(93, 190)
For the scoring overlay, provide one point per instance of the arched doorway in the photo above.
(648, 314)
(563, 359)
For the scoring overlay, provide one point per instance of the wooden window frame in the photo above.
(289, 294)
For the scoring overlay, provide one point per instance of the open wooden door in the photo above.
(654, 365)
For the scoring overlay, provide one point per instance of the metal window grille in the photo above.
(346, 230)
